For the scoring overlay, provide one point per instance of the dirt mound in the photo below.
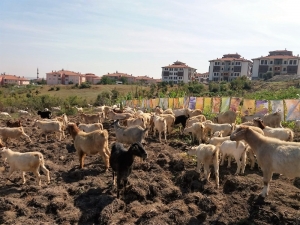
(164, 189)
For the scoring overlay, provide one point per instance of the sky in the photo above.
(140, 37)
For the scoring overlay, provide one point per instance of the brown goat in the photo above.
(90, 143)
(13, 124)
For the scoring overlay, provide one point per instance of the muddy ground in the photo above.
(164, 189)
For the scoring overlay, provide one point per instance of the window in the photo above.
(284, 69)
(166, 69)
(181, 69)
(171, 69)
(166, 78)
(270, 69)
(291, 62)
(176, 69)
(171, 78)
(271, 62)
(232, 63)
(222, 68)
(284, 62)
(238, 63)
(222, 63)
(295, 62)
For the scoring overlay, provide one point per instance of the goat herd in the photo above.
(261, 139)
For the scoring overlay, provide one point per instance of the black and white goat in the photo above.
(45, 114)
(121, 161)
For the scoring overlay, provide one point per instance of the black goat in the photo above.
(45, 114)
(181, 120)
(121, 162)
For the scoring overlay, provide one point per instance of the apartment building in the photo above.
(64, 77)
(229, 67)
(178, 72)
(117, 77)
(278, 62)
(92, 78)
(202, 77)
(146, 80)
(6, 79)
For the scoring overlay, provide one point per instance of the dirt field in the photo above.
(164, 189)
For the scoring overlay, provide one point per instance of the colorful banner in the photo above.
(148, 104)
(135, 102)
(207, 105)
(235, 104)
(165, 103)
(186, 102)
(277, 106)
(161, 103)
(199, 103)
(171, 103)
(180, 103)
(192, 103)
(216, 104)
(225, 104)
(293, 109)
(248, 107)
(176, 103)
(262, 107)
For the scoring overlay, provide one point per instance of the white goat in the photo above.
(25, 162)
(129, 135)
(4, 114)
(24, 113)
(284, 134)
(160, 125)
(90, 127)
(225, 128)
(238, 151)
(50, 126)
(208, 155)
(12, 132)
(273, 155)
(197, 130)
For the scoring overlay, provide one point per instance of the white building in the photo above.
(202, 77)
(229, 67)
(279, 62)
(178, 72)
(64, 77)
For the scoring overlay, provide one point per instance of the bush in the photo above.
(51, 89)
(57, 88)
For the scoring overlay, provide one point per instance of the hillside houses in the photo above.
(6, 79)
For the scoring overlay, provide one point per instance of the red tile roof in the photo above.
(178, 64)
(278, 57)
(13, 77)
(230, 59)
(65, 72)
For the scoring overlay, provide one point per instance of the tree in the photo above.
(268, 75)
(106, 80)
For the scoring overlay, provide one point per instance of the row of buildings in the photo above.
(231, 66)
(226, 68)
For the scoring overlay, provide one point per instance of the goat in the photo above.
(4, 114)
(12, 132)
(50, 126)
(273, 155)
(28, 161)
(129, 135)
(181, 120)
(208, 155)
(90, 127)
(159, 125)
(45, 114)
(121, 161)
(13, 124)
(90, 143)
(90, 118)
(238, 151)
(284, 134)
(24, 113)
